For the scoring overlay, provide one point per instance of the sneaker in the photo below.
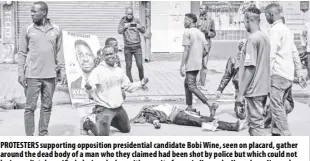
(191, 109)
(210, 126)
(213, 109)
(241, 125)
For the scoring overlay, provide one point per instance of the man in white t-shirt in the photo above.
(105, 85)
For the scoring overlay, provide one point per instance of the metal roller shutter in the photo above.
(99, 18)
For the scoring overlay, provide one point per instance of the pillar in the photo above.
(9, 34)
(145, 18)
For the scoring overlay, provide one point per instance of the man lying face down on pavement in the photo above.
(174, 115)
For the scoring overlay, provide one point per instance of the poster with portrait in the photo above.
(80, 51)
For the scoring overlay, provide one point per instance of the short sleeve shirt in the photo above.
(257, 54)
(196, 41)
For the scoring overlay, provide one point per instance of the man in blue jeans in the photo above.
(40, 45)
(130, 28)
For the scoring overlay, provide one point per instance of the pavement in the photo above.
(64, 122)
(165, 86)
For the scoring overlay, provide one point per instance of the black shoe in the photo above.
(191, 109)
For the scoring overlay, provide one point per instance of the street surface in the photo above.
(165, 86)
(64, 122)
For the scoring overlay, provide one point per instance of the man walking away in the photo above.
(130, 28)
(254, 72)
(195, 47)
(40, 45)
(206, 25)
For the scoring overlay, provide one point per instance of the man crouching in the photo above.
(105, 86)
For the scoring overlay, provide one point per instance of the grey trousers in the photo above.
(35, 87)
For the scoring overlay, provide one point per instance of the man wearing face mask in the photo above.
(105, 85)
(130, 28)
(40, 56)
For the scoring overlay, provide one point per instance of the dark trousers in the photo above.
(191, 88)
(183, 118)
(137, 52)
(107, 117)
(35, 87)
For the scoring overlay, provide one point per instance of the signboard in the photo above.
(304, 6)
(80, 51)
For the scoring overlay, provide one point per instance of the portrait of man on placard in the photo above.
(85, 58)
(80, 53)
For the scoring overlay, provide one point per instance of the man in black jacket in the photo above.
(231, 73)
(130, 28)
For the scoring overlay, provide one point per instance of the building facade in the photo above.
(168, 18)
(100, 18)
(164, 29)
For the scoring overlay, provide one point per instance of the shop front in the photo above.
(99, 18)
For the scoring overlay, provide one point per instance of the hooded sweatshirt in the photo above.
(131, 35)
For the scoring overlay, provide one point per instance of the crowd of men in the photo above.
(262, 72)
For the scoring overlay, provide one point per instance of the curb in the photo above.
(154, 98)
(225, 98)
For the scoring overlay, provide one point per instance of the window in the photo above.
(228, 19)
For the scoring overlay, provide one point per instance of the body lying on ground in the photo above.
(170, 114)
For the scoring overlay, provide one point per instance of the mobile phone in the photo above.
(133, 25)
